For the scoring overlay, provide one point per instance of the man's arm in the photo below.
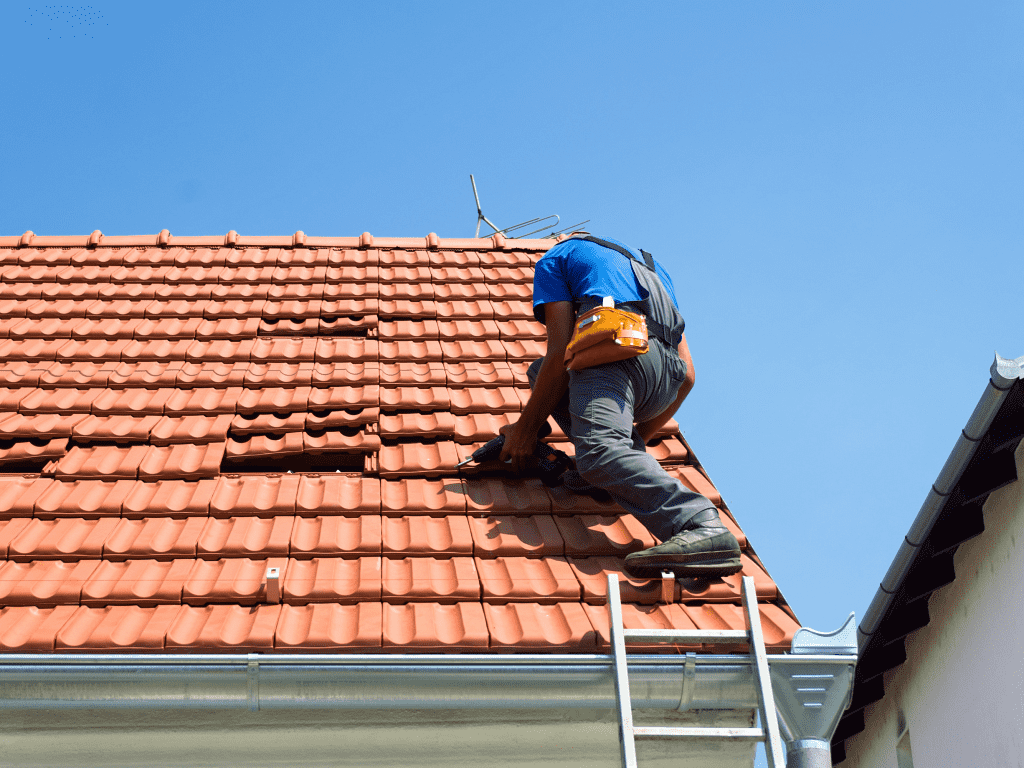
(551, 384)
(649, 428)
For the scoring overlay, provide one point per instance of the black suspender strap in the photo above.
(657, 328)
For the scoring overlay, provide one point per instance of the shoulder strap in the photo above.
(657, 328)
(648, 259)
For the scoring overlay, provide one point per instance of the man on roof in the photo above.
(610, 411)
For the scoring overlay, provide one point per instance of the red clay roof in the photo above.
(179, 415)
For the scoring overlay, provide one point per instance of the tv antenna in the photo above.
(481, 218)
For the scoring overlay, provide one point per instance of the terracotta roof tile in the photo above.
(163, 310)
(261, 495)
(235, 628)
(101, 461)
(422, 497)
(499, 535)
(466, 350)
(10, 530)
(319, 420)
(14, 451)
(168, 361)
(136, 582)
(287, 326)
(251, 446)
(433, 424)
(559, 627)
(126, 628)
(186, 461)
(76, 374)
(220, 350)
(337, 495)
(430, 459)
(508, 497)
(32, 629)
(218, 375)
(169, 498)
(205, 400)
(467, 400)
(142, 349)
(61, 539)
(117, 428)
(478, 427)
(263, 423)
(333, 580)
(272, 400)
(414, 398)
(337, 441)
(336, 535)
(153, 538)
(343, 398)
(422, 535)
(129, 401)
(229, 309)
(525, 579)
(245, 537)
(327, 626)
(44, 583)
(460, 292)
(149, 374)
(433, 627)
(596, 535)
(58, 400)
(429, 579)
(278, 374)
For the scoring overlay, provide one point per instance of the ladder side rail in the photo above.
(627, 746)
(765, 697)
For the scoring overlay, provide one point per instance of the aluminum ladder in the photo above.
(752, 635)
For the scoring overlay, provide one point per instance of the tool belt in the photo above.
(606, 335)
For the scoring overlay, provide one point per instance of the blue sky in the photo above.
(836, 188)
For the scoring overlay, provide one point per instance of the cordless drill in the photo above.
(551, 462)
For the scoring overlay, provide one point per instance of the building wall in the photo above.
(961, 691)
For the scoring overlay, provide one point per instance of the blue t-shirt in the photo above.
(574, 269)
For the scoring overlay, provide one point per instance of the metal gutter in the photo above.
(1004, 374)
(380, 681)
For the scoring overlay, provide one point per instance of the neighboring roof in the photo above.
(179, 415)
(982, 461)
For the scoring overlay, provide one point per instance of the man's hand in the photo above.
(519, 446)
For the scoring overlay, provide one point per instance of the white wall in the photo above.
(961, 690)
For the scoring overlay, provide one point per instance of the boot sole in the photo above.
(709, 564)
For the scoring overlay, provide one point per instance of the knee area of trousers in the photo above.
(596, 464)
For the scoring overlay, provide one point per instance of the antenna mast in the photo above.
(481, 218)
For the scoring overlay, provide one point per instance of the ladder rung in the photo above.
(684, 636)
(743, 734)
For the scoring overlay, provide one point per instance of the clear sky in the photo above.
(836, 188)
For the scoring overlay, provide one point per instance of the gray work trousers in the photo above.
(599, 413)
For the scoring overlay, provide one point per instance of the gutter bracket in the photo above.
(252, 680)
(689, 682)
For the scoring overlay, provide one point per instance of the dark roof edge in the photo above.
(878, 633)
(1004, 373)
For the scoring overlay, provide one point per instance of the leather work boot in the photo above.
(704, 547)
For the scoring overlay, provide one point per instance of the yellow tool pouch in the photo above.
(605, 335)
